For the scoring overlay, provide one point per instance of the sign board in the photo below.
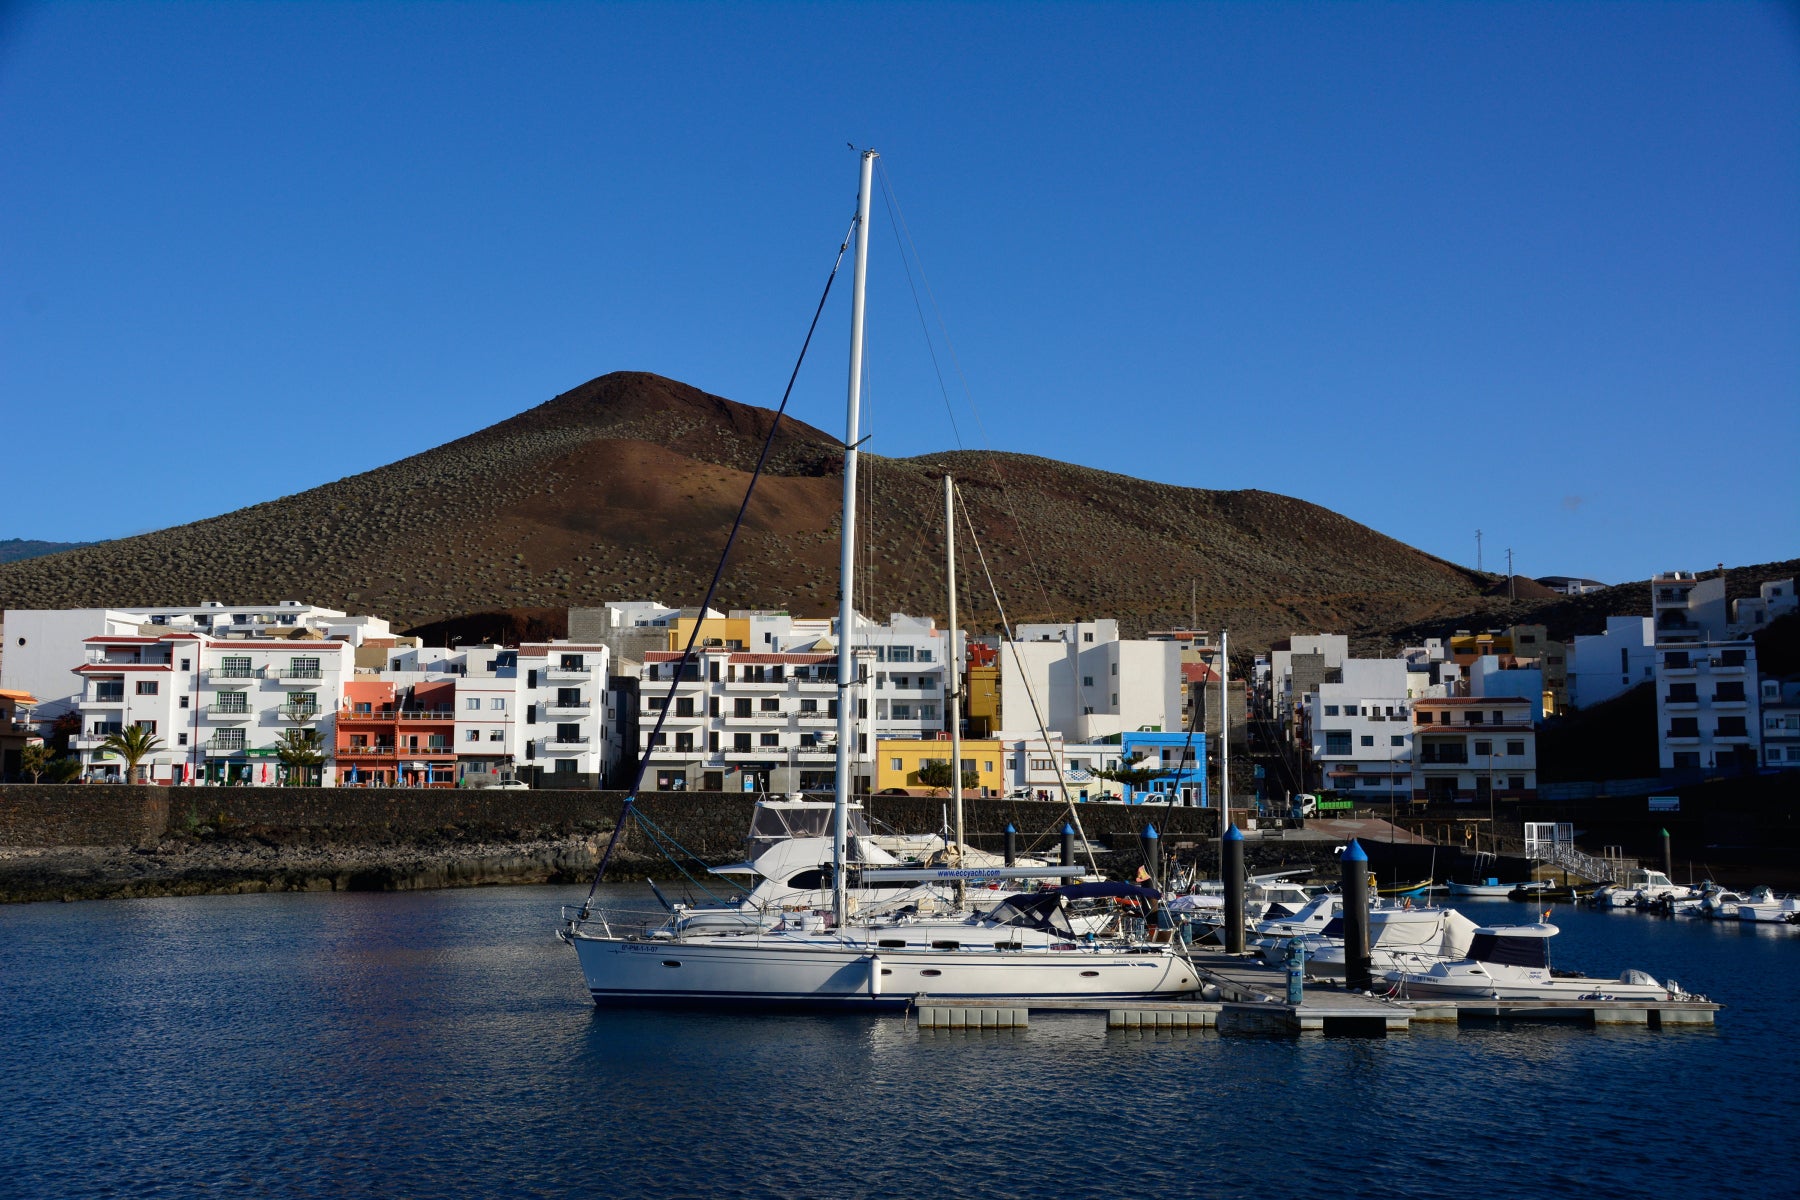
(1665, 804)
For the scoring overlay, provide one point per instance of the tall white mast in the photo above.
(846, 685)
(1224, 732)
(953, 681)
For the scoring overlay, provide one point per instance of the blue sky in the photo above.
(1529, 268)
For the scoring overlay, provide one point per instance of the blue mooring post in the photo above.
(1012, 844)
(1231, 867)
(1151, 841)
(1356, 918)
(1296, 971)
(1668, 856)
(1068, 845)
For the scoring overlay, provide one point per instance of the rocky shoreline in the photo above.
(199, 866)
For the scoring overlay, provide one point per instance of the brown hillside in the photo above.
(625, 487)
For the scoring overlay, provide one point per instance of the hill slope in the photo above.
(624, 487)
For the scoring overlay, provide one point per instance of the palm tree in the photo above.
(298, 750)
(134, 744)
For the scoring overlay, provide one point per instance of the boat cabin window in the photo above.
(1513, 951)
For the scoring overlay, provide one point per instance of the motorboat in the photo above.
(1512, 962)
(1765, 907)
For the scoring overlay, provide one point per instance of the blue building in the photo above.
(1181, 757)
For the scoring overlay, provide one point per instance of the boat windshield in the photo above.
(1531, 951)
(777, 821)
(1048, 910)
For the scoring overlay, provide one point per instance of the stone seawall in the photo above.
(92, 841)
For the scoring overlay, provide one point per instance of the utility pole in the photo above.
(1511, 592)
(1478, 549)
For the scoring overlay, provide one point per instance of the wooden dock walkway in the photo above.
(1251, 999)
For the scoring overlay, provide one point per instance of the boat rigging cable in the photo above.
(687, 653)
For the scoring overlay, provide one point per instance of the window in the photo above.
(740, 741)
(146, 687)
(150, 726)
(1687, 760)
(181, 702)
(1368, 739)
(808, 741)
(1087, 681)
(900, 654)
(304, 668)
(1728, 727)
(1424, 717)
(1723, 692)
(809, 706)
(472, 704)
(1472, 718)
(1674, 659)
(659, 739)
(1684, 727)
(1484, 749)
(684, 706)
(1682, 693)
(987, 764)
(1397, 739)
(712, 742)
(768, 739)
(181, 739)
(1515, 749)
(770, 704)
(496, 735)
(1043, 764)
(232, 667)
(740, 707)
(903, 712)
(1331, 710)
(1337, 741)
(497, 704)
(184, 662)
(928, 712)
(570, 662)
(232, 702)
(684, 742)
(472, 735)
(1087, 637)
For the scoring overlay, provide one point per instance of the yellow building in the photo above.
(897, 763)
(981, 703)
(733, 633)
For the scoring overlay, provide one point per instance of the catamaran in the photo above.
(1031, 946)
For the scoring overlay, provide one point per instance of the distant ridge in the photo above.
(625, 486)
(14, 549)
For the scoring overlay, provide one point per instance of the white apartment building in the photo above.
(218, 704)
(487, 712)
(739, 720)
(1359, 731)
(564, 697)
(1610, 664)
(1781, 723)
(1469, 750)
(1708, 702)
(1036, 767)
(1086, 683)
(41, 645)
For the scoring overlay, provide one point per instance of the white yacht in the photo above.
(1022, 950)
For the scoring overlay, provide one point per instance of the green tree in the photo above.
(134, 744)
(936, 774)
(34, 760)
(300, 752)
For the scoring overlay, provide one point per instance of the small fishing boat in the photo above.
(1765, 907)
(1491, 889)
(1411, 891)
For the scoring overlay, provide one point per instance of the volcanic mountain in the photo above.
(626, 486)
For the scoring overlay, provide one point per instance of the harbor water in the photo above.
(436, 1043)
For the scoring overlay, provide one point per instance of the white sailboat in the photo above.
(1031, 947)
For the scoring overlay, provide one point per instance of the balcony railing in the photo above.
(299, 674)
(225, 745)
(108, 699)
(365, 752)
(563, 745)
(1443, 758)
(579, 708)
(234, 674)
(300, 712)
(218, 712)
(426, 714)
(562, 672)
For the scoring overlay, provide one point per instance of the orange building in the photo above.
(405, 737)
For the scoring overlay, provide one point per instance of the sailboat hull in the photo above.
(792, 972)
